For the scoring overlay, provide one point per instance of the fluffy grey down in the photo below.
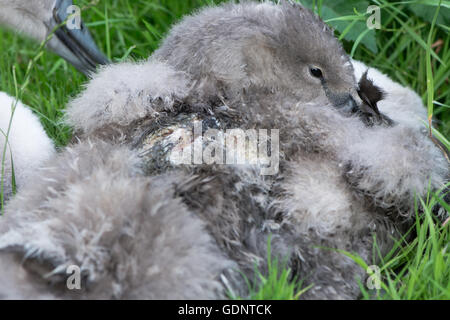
(140, 227)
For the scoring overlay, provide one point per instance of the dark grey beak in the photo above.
(346, 104)
(74, 42)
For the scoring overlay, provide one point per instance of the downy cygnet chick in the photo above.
(38, 19)
(138, 225)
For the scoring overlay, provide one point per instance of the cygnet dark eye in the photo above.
(316, 72)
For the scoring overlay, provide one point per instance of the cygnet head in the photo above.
(38, 19)
(274, 47)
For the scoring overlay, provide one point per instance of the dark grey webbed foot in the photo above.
(371, 94)
(367, 111)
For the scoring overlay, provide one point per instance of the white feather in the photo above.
(28, 143)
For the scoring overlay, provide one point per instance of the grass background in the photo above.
(412, 46)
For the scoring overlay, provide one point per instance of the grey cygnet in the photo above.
(139, 226)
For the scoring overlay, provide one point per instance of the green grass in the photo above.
(412, 47)
(419, 269)
(277, 283)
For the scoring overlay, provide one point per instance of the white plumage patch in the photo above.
(28, 143)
